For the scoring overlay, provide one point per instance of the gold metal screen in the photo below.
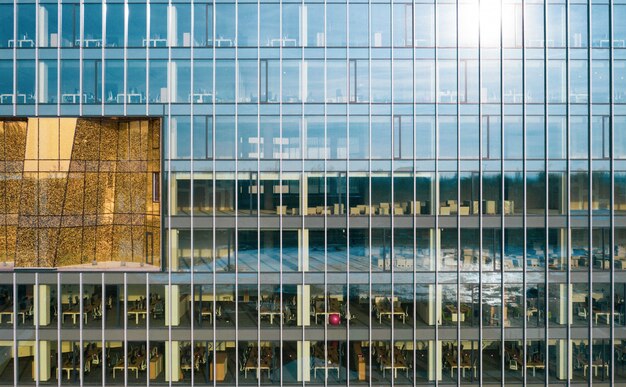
(80, 192)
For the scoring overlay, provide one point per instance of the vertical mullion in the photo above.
(568, 222)
(611, 195)
(458, 194)
(435, 202)
(590, 193)
(394, 141)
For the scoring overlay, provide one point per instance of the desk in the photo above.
(465, 364)
(9, 98)
(154, 42)
(8, 311)
(201, 97)
(326, 367)
(131, 367)
(73, 98)
(397, 311)
(206, 312)
(399, 363)
(23, 313)
(138, 312)
(252, 364)
(594, 366)
(90, 42)
(119, 366)
(283, 42)
(24, 42)
(68, 367)
(74, 313)
(334, 307)
(129, 98)
(534, 364)
(607, 315)
(227, 42)
(271, 312)
(455, 314)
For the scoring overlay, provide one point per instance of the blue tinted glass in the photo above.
(513, 140)
(70, 83)
(70, 28)
(381, 137)
(115, 25)
(578, 25)
(336, 24)
(247, 25)
(25, 92)
(358, 25)
(92, 25)
(6, 25)
(270, 27)
(114, 86)
(203, 24)
(314, 16)
(600, 26)
(158, 81)
(92, 81)
(447, 137)
(49, 83)
(381, 25)
(291, 25)
(248, 81)
(137, 23)
(180, 32)
(225, 81)
(136, 81)
(225, 25)
(49, 26)
(158, 26)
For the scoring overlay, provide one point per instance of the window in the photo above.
(491, 129)
(601, 137)
(70, 28)
(203, 25)
(156, 187)
(424, 25)
(49, 25)
(402, 25)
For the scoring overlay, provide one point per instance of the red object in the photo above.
(334, 319)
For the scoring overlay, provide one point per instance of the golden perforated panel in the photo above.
(79, 192)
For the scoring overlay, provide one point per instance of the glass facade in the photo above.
(348, 192)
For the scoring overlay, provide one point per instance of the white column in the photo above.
(42, 82)
(434, 305)
(42, 31)
(173, 253)
(303, 249)
(172, 361)
(435, 364)
(304, 78)
(42, 304)
(435, 248)
(304, 305)
(172, 26)
(41, 362)
(172, 305)
(304, 194)
(563, 361)
(303, 25)
(173, 86)
(304, 361)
